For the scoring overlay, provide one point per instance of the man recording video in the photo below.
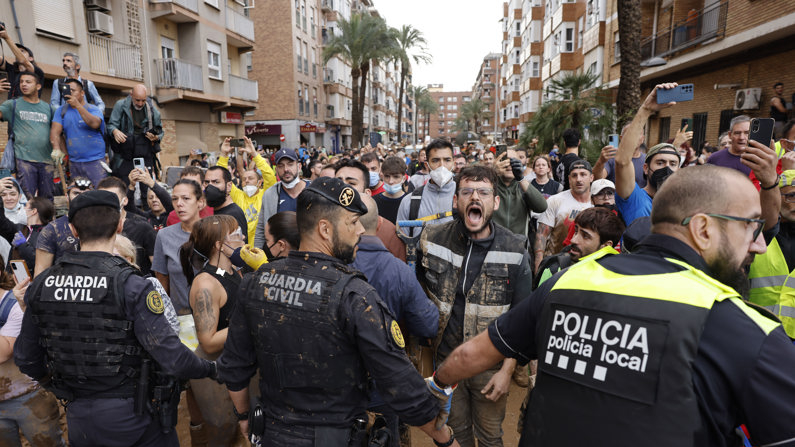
(23, 62)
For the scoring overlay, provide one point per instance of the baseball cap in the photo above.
(662, 148)
(93, 198)
(339, 193)
(598, 185)
(581, 164)
(284, 152)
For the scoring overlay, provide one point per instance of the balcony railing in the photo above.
(706, 24)
(243, 88)
(174, 73)
(192, 5)
(328, 76)
(112, 58)
(239, 23)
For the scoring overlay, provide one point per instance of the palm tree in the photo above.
(579, 105)
(362, 39)
(408, 39)
(427, 106)
(475, 110)
(417, 91)
(629, 22)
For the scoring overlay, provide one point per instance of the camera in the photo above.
(65, 89)
(2, 26)
(237, 142)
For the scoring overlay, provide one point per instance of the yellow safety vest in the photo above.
(773, 286)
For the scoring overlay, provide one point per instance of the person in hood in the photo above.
(253, 183)
(13, 201)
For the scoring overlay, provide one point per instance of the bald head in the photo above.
(370, 220)
(697, 189)
(139, 96)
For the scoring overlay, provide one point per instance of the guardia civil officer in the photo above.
(654, 348)
(314, 328)
(94, 333)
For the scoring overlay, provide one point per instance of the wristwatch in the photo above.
(449, 441)
(244, 415)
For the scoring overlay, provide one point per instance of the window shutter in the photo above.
(54, 17)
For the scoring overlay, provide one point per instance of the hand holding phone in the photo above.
(612, 140)
(680, 93)
(20, 270)
(138, 163)
(761, 130)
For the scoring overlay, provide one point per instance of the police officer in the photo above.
(92, 327)
(654, 348)
(314, 328)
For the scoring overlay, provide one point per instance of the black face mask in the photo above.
(659, 176)
(267, 249)
(610, 206)
(214, 196)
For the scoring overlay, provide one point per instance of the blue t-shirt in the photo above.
(638, 204)
(286, 203)
(82, 142)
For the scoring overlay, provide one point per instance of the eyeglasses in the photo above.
(760, 223)
(605, 193)
(789, 197)
(788, 143)
(482, 192)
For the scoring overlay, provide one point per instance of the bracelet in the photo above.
(240, 416)
(449, 442)
(768, 188)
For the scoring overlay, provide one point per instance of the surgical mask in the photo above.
(250, 190)
(374, 178)
(214, 196)
(393, 189)
(292, 184)
(441, 176)
(659, 176)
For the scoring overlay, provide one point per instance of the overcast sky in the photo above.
(459, 34)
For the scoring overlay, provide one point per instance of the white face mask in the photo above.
(292, 184)
(250, 190)
(441, 176)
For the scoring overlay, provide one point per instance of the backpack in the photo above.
(414, 209)
(6, 303)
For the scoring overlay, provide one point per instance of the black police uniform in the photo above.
(92, 322)
(315, 328)
(647, 349)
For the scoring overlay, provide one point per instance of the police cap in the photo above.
(339, 193)
(93, 198)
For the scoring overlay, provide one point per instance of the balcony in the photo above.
(178, 11)
(709, 23)
(242, 88)
(328, 76)
(240, 25)
(174, 73)
(112, 58)
(327, 5)
(329, 112)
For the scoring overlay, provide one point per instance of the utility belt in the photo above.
(158, 394)
(357, 435)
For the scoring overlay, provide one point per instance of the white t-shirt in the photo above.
(13, 323)
(561, 210)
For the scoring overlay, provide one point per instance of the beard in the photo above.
(342, 251)
(734, 276)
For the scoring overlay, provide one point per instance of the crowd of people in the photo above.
(304, 298)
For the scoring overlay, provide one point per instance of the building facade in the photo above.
(191, 54)
(485, 89)
(441, 123)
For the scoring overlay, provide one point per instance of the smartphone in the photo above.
(612, 140)
(237, 142)
(138, 163)
(500, 149)
(680, 93)
(687, 122)
(762, 130)
(65, 89)
(20, 269)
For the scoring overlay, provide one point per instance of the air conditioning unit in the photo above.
(99, 22)
(747, 98)
(101, 5)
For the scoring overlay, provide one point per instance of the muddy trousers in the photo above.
(113, 423)
(36, 414)
(473, 416)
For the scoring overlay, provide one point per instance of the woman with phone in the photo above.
(213, 250)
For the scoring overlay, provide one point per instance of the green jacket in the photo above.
(516, 205)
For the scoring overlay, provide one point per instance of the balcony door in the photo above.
(710, 17)
(167, 52)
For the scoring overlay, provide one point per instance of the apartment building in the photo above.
(511, 69)
(191, 54)
(485, 89)
(442, 122)
(733, 51)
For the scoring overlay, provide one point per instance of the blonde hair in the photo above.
(126, 249)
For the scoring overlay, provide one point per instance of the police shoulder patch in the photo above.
(155, 302)
(397, 336)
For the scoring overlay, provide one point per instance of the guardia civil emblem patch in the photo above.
(155, 302)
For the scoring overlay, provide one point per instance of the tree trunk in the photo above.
(365, 68)
(403, 73)
(356, 112)
(629, 22)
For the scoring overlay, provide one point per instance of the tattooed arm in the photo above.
(206, 296)
(542, 236)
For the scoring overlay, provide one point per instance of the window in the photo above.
(665, 128)
(568, 42)
(306, 62)
(54, 17)
(298, 48)
(441, 99)
(300, 100)
(617, 51)
(214, 60)
(314, 63)
(167, 47)
(249, 61)
(312, 21)
(579, 32)
(518, 29)
(297, 14)
(314, 90)
(213, 3)
(535, 73)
